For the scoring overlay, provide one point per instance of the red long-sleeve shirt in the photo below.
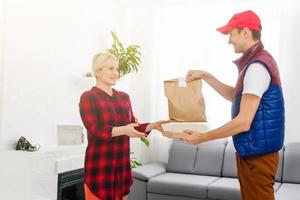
(107, 158)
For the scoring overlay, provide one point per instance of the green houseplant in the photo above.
(134, 162)
(129, 57)
(129, 61)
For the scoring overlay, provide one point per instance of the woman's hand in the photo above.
(156, 125)
(195, 74)
(130, 131)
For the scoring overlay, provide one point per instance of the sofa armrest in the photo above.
(148, 171)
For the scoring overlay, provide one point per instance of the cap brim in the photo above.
(224, 29)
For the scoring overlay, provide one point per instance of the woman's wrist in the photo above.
(118, 131)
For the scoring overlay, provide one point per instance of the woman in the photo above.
(107, 115)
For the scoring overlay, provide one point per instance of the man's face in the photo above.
(236, 38)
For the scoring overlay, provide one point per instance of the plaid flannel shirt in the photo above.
(107, 159)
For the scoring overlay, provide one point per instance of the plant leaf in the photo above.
(129, 57)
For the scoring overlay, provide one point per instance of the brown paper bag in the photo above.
(186, 104)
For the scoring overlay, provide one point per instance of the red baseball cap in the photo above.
(240, 20)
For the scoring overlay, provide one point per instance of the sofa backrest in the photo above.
(229, 165)
(209, 159)
(181, 157)
(291, 164)
(217, 158)
(205, 159)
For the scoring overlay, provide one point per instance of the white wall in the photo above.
(140, 30)
(290, 67)
(48, 47)
(2, 17)
(177, 42)
(181, 35)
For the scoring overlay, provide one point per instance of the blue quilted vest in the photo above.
(266, 133)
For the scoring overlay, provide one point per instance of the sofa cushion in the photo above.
(181, 157)
(152, 196)
(228, 189)
(277, 186)
(224, 188)
(288, 191)
(278, 176)
(291, 164)
(187, 185)
(229, 165)
(148, 171)
(209, 159)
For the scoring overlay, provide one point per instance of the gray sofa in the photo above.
(208, 171)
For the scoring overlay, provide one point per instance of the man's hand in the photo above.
(194, 137)
(156, 125)
(195, 74)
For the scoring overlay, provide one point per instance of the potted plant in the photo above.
(129, 57)
(129, 61)
(134, 162)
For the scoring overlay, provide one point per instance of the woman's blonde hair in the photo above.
(101, 60)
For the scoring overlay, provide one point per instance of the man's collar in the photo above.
(248, 55)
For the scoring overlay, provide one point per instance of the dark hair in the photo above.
(256, 35)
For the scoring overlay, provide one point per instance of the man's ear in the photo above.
(247, 32)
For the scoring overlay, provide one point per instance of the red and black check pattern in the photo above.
(107, 159)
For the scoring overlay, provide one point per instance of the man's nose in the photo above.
(229, 41)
